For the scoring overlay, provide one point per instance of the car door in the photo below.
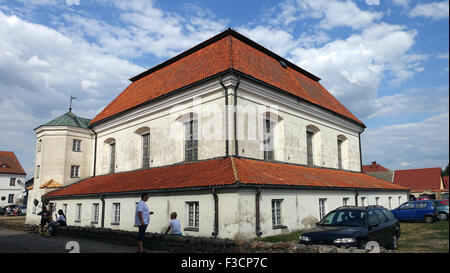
(387, 229)
(406, 212)
(374, 229)
(422, 209)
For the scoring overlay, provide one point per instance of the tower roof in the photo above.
(69, 119)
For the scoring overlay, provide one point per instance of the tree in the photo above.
(446, 171)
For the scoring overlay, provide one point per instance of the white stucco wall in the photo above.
(6, 189)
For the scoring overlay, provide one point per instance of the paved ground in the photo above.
(13, 241)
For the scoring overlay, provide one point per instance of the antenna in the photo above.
(70, 105)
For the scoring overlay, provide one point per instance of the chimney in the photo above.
(374, 164)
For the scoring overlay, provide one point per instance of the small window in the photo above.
(12, 182)
(76, 145)
(191, 140)
(94, 219)
(390, 202)
(309, 148)
(268, 140)
(322, 209)
(363, 201)
(11, 198)
(193, 215)
(116, 214)
(4, 166)
(78, 213)
(146, 150)
(64, 208)
(399, 200)
(39, 145)
(377, 201)
(345, 201)
(276, 212)
(339, 146)
(74, 171)
(112, 157)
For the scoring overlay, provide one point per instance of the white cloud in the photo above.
(423, 144)
(434, 10)
(403, 3)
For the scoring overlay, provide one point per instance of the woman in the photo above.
(45, 218)
(60, 221)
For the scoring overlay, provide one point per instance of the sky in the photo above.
(386, 61)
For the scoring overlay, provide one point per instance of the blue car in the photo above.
(423, 210)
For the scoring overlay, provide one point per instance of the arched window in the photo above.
(144, 132)
(112, 154)
(311, 145)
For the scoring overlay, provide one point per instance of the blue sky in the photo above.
(386, 61)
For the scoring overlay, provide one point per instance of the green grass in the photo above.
(415, 237)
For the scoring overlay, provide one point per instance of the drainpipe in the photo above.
(356, 197)
(103, 210)
(216, 214)
(235, 116)
(258, 224)
(227, 153)
(95, 150)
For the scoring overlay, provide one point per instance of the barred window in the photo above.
(12, 181)
(322, 209)
(76, 145)
(309, 147)
(191, 140)
(268, 140)
(95, 208)
(193, 214)
(74, 171)
(339, 145)
(146, 150)
(116, 214)
(276, 212)
(112, 157)
(78, 213)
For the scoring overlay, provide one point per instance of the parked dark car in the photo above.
(355, 226)
(414, 211)
(442, 209)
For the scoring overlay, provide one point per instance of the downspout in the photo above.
(216, 214)
(258, 224)
(95, 150)
(103, 210)
(227, 153)
(235, 116)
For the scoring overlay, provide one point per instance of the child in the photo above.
(174, 225)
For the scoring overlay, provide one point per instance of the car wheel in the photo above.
(442, 216)
(428, 219)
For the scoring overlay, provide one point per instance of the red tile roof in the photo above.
(222, 172)
(227, 51)
(419, 180)
(51, 184)
(374, 167)
(10, 163)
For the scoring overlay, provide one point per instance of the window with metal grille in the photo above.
(11, 198)
(322, 209)
(193, 214)
(276, 212)
(78, 213)
(76, 145)
(191, 140)
(146, 150)
(309, 147)
(74, 171)
(339, 146)
(268, 139)
(112, 157)
(94, 219)
(116, 214)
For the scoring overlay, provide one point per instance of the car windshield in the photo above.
(352, 218)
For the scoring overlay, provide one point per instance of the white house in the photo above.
(237, 140)
(12, 179)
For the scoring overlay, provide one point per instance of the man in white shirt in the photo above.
(174, 225)
(142, 219)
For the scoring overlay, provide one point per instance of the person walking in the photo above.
(142, 219)
(45, 218)
(174, 225)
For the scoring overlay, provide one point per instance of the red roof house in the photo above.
(420, 180)
(374, 167)
(9, 163)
